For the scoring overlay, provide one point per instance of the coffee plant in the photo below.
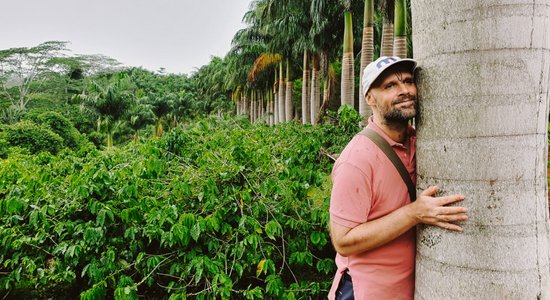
(218, 209)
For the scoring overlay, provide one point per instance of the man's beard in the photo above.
(398, 115)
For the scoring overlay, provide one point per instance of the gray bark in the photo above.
(483, 133)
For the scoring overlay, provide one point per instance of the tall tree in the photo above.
(348, 75)
(21, 67)
(483, 133)
(306, 115)
(111, 101)
(400, 29)
(289, 108)
(367, 53)
(388, 9)
(315, 92)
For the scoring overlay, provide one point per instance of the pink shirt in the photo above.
(367, 186)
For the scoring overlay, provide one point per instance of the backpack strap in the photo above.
(387, 149)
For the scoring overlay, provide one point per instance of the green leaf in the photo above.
(195, 231)
(272, 229)
(260, 267)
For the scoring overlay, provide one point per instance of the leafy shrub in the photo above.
(35, 138)
(60, 125)
(4, 148)
(218, 209)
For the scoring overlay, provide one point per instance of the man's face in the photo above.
(394, 96)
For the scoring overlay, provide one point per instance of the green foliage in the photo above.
(218, 209)
(33, 137)
(60, 125)
(349, 119)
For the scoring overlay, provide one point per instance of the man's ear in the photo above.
(370, 99)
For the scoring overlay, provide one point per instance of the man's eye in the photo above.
(389, 86)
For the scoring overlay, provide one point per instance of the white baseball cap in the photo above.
(375, 68)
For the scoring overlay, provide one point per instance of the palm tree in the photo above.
(281, 94)
(347, 82)
(305, 90)
(315, 92)
(388, 8)
(110, 102)
(483, 133)
(367, 53)
(400, 35)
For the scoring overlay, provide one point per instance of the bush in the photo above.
(30, 136)
(219, 209)
(60, 125)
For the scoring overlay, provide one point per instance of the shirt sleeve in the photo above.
(351, 196)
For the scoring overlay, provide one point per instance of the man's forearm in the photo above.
(372, 234)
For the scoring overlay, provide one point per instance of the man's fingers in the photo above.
(461, 217)
(452, 210)
(449, 226)
(429, 191)
(449, 199)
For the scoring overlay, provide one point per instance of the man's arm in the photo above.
(426, 209)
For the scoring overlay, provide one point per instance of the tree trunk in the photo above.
(400, 27)
(276, 108)
(315, 89)
(367, 54)
(482, 132)
(347, 86)
(281, 98)
(288, 95)
(305, 90)
(270, 112)
(387, 39)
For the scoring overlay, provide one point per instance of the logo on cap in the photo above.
(386, 61)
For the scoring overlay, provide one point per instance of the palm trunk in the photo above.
(288, 95)
(315, 89)
(305, 90)
(271, 108)
(487, 139)
(276, 108)
(367, 55)
(400, 40)
(347, 86)
(387, 39)
(281, 97)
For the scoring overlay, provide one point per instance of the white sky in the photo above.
(179, 35)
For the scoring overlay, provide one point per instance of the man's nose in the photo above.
(404, 89)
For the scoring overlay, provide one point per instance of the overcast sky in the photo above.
(179, 35)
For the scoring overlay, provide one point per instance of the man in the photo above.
(372, 218)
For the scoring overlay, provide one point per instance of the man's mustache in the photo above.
(405, 98)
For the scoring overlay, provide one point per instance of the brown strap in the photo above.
(386, 148)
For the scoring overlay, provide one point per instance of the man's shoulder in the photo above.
(360, 152)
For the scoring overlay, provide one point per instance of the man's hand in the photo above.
(431, 210)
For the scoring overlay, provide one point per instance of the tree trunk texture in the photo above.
(305, 90)
(400, 46)
(276, 108)
(387, 39)
(315, 89)
(482, 132)
(288, 102)
(367, 54)
(347, 81)
(251, 108)
(281, 95)
(270, 111)
(347, 86)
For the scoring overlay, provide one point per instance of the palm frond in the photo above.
(262, 62)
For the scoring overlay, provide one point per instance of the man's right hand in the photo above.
(431, 210)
